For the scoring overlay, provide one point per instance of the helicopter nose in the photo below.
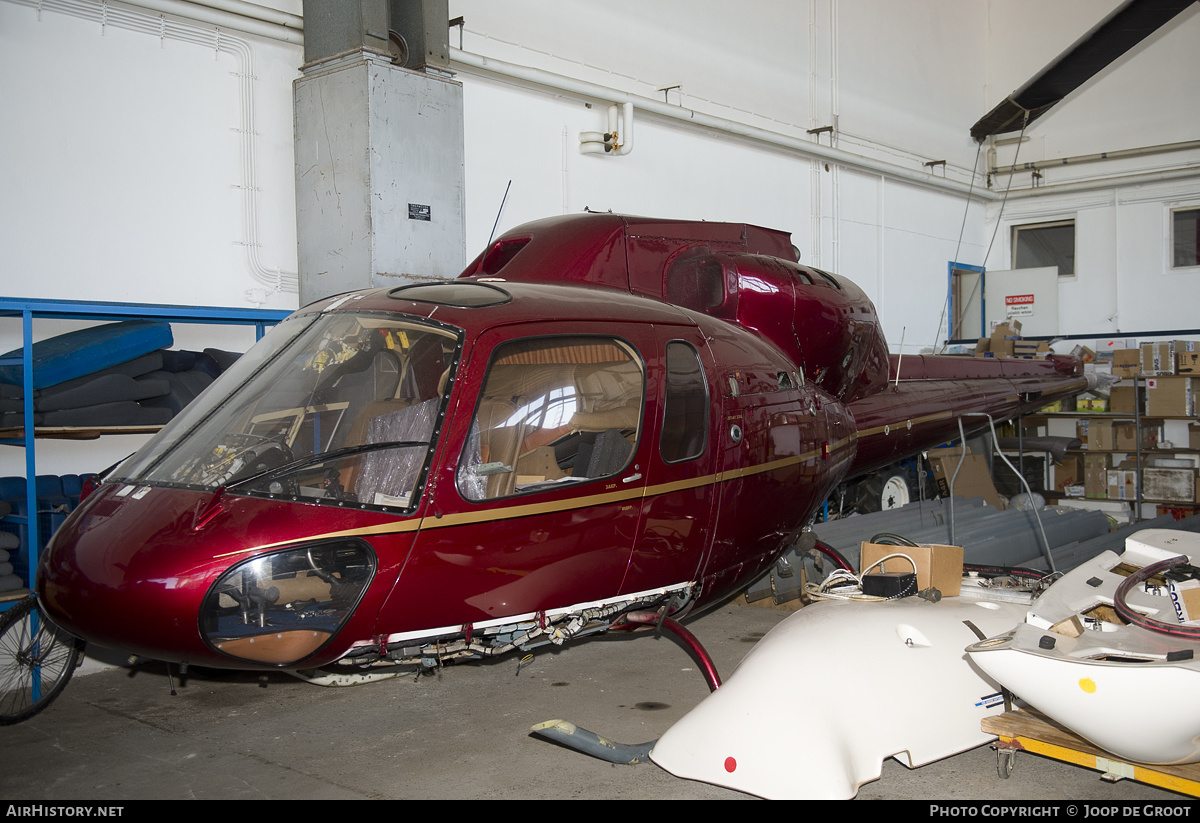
(152, 571)
(93, 589)
(273, 609)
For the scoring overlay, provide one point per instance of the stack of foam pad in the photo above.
(9, 543)
(115, 374)
(57, 496)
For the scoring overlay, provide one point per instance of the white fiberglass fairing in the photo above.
(837, 687)
(1130, 689)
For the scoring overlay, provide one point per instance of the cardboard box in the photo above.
(1103, 434)
(1157, 359)
(1160, 358)
(1069, 473)
(1122, 400)
(938, 565)
(1172, 485)
(1121, 435)
(1170, 396)
(1030, 349)
(1193, 436)
(974, 479)
(1085, 354)
(1187, 362)
(1000, 347)
(1169, 462)
(1127, 363)
(1004, 336)
(1122, 484)
(1095, 475)
(1177, 512)
(1187, 594)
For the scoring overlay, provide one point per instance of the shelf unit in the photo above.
(29, 309)
(1139, 452)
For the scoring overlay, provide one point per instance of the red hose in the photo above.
(706, 663)
(834, 555)
(1139, 619)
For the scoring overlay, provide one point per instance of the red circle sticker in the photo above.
(730, 764)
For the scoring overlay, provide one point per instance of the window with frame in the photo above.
(1045, 244)
(553, 411)
(685, 417)
(1185, 238)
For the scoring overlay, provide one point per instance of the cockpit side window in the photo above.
(553, 411)
(685, 415)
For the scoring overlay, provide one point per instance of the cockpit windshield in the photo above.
(340, 407)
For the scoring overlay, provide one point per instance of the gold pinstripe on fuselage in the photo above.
(554, 506)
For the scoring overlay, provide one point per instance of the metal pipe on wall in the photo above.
(254, 11)
(1116, 182)
(252, 18)
(524, 75)
(214, 12)
(1141, 151)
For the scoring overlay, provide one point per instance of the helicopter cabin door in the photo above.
(537, 499)
(676, 527)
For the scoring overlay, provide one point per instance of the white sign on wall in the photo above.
(1018, 305)
(1028, 295)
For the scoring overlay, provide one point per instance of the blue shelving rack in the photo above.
(29, 309)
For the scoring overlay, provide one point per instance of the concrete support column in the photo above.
(379, 162)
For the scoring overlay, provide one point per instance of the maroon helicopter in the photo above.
(603, 415)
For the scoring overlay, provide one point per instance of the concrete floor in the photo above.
(119, 734)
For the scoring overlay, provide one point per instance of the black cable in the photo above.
(1001, 571)
(890, 539)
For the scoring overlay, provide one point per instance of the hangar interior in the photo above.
(219, 164)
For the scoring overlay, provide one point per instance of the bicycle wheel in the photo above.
(36, 660)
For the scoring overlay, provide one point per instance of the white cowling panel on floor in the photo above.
(829, 693)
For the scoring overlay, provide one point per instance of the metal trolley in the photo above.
(1028, 731)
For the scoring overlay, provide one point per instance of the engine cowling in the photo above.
(825, 323)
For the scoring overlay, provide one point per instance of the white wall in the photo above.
(672, 171)
(785, 67)
(144, 162)
(126, 147)
(142, 167)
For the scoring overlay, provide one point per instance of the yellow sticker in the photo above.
(1088, 685)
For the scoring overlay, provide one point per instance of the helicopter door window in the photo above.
(685, 417)
(553, 411)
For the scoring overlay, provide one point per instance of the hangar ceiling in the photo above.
(1110, 39)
